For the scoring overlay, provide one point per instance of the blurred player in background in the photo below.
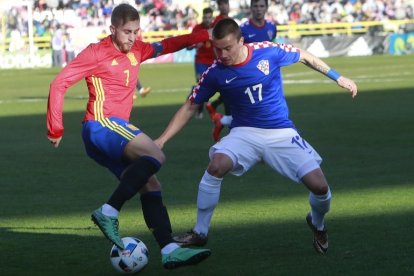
(142, 91)
(204, 56)
(110, 68)
(257, 28)
(217, 118)
(248, 77)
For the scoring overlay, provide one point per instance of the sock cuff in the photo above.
(150, 194)
(326, 196)
(154, 161)
(210, 177)
(210, 184)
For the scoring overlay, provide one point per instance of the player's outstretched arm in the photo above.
(180, 119)
(319, 65)
(176, 43)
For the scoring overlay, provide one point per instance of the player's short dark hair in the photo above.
(122, 14)
(225, 27)
(222, 2)
(254, 1)
(207, 10)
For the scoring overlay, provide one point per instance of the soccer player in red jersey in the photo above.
(204, 56)
(110, 68)
(218, 118)
(224, 9)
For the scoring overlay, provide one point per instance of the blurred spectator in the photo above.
(69, 47)
(277, 13)
(158, 15)
(57, 46)
(295, 13)
(16, 41)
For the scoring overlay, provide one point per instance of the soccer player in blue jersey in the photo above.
(248, 77)
(256, 29)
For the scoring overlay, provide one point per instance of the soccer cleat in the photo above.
(191, 238)
(184, 256)
(144, 91)
(217, 126)
(211, 110)
(108, 226)
(320, 238)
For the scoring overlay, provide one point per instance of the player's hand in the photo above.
(55, 141)
(349, 85)
(159, 143)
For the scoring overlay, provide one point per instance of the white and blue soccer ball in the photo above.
(132, 259)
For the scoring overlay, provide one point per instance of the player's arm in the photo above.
(180, 119)
(176, 43)
(79, 68)
(319, 65)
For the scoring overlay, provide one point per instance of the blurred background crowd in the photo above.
(157, 15)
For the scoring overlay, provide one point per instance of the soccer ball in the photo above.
(132, 259)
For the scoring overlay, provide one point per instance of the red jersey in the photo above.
(205, 53)
(217, 19)
(111, 77)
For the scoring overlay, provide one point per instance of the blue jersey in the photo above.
(253, 89)
(254, 33)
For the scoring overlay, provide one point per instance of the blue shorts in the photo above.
(105, 142)
(199, 69)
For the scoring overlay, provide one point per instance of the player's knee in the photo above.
(153, 185)
(316, 182)
(216, 170)
(159, 156)
(320, 189)
(162, 158)
(220, 165)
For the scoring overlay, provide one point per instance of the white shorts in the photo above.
(281, 149)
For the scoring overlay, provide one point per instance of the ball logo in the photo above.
(128, 250)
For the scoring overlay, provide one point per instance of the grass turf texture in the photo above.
(259, 227)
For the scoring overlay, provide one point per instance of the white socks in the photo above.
(207, 200)
(109, 211)
(320, 205)
(226, 120)
(169, 248)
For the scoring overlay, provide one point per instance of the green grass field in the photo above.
(47, 194)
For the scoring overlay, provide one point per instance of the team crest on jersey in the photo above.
(270, 34)
(132, 59)
(263, 66)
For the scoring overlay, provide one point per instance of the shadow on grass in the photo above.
(372, 245)
(366, 143)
